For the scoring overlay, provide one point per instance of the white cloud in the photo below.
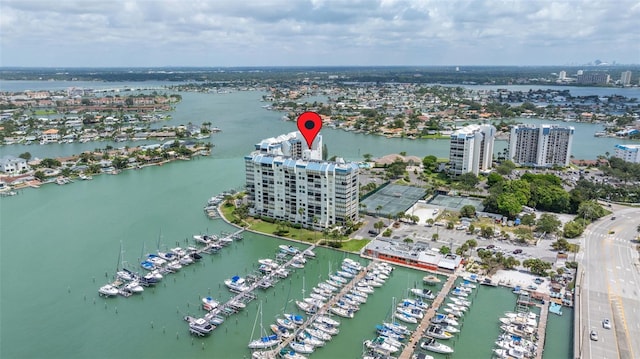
(316, 32)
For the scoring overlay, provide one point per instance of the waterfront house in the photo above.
(13, 165)
(50, 135)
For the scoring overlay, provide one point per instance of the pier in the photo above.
(228, 308)
(424, 323)
(273, 353)
(542, 329)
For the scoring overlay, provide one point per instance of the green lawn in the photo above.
(355, 245)
(44, 112)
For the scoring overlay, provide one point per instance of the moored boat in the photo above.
(264, 342)
(209, 303)
(423, 293)
(431, 279)
(237, 284)
(108, 290)
(433, 345)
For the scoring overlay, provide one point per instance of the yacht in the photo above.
(288, 249)
(432, 345)
(108, 290)
(327, 320)
(345, 313)
(133, 287)
(406, 318)
(437, 332)
(301, 348)
(318, 334)
(209, 303)
(265, 342)
(199, 326)
(284, 322)
(329, 329)
(431, 280)
(237, 284)
(424, 293)
(310, 339)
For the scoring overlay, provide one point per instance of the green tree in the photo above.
(572, 229)
(493, 178)
(528, 219)
(510, 262)
(486, 232)
(468, 180)
(590, 210)
(367, 157)
(548, 223)
(39, 175)
(508, 204)
(445, 250)
(435, 237)
(468, 211)
(50, 163)
(506, 167)
(430, 163)
(25, 156)
(378, 225)
(537, 266)
(561, 245)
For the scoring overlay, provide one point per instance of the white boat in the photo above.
(286, 323)
(327, 286)
(463, 289)
(413, 312)
(414, 303)
(237, 284)
(459, 292)
(333, 283)
(423, 293)
(467, 284)
(199, 326)
(352, 264)
(345, 274)
(288, 249)
(309, 253)
(307, 338)
(327, 320)
(108, 290)
(381, 345)
(437, 332)
(297, 265)
(281, 273)
(431, 279)
(329, 329)
(444, 318)
(205, 238)
(432, 345)
(454, 312)
(357, 292)
(296, 319)
(457, 307)
(265, 342)
(405, 318)
(269, 262)
(345, 313)
(133, 287)
(280, 331)
(290, 354)
(174, 265)
(126, 274)
(355, 298)
(460, 301)
(306, 307)
(156, 260)
(364, 287)
(318, 333)
(337, 278)
(167, 255)
(301, 348)
(397, 327)
(314, 301)
(318, 297)
(209, 303)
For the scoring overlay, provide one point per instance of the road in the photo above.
(610, 287)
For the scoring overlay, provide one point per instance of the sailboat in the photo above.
(265, 341)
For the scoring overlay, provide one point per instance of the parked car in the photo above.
(517, 251)
(491, 246)
(613, 218)
(606, 324)
(593, 335)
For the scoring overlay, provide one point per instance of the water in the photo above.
(58, 245)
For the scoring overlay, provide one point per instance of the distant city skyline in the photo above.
(144, 33)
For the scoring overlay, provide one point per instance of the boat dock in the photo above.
(542, 329)
(229, 307)
(424, 323)
(273, 353)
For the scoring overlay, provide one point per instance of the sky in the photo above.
(228, 33)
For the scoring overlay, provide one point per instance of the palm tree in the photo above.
(378, 208)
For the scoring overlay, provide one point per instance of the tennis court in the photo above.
(456, 203)
(392, 199)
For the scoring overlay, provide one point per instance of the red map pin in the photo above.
(309, 124)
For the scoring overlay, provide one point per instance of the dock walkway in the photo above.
(322, 311)
(424, 323)
(249, 295)
(542, 329)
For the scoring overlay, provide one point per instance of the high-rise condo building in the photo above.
(301, 189)
(471, 149)
(541, 146)
(291, 145)
(629, 153)
(625, 78)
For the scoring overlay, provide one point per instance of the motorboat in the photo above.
(133, 287)
(265, 342)
(301, 348)
(364, 287)
(345, 313)
(314, 301)
(353, 306)
(199, 326)
(440, 318)
(209, 303)
(460, 301)
(192, 252)
(168, 256)
(357, 292)
(373, 283)
(431, 280)
(386, 332)
(318, 297)
(174, 266)
(327, 286)
(148, 265)
(269, 262)
(156, 259)
(381, 344)
(467, 284)
(433, 345)
(281, 273)
(345, 274)
(463, 289)
(237, 284)
(265, 269)
(459, 292)
(414, 303)
(333, 283)
(108, 290)
(308, 253)
(323, 292)
(355, 298)
(216, 320)
(413, 312)
(126, 274)
(423, 293)
(291, 250)
(327, 320)
(352, 264)
(437, 332)
(338, 279)
(457, 307)
(456, 313)
(237, 304)
(280, 331)
(297, 265)
(205, 238)
(185, 260)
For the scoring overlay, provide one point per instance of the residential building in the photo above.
(625, 78)
(471, 149)
(541, 145)
(300, 188)
(593, 78)
(293, 145)
(50, 135)
(629, 153)
(13, 165)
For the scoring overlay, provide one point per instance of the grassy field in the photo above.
(355, 245)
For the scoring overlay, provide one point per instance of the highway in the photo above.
(610, 287)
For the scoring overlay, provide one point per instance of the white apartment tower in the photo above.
(629, 153)
(471, 149)
(308, 191)
(625, 78)
(293, 145)
(541, 146)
